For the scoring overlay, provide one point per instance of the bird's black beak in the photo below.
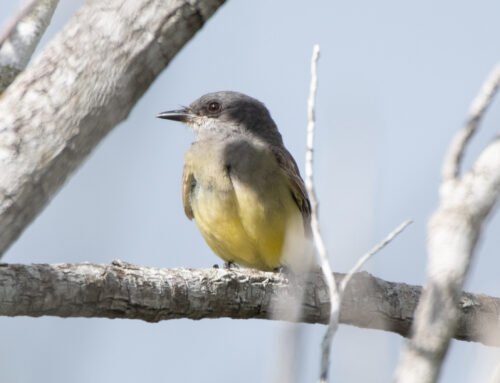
(182, 115)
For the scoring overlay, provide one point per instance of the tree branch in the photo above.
(453, 160)
(453, 233)
(324, 261)
(121, 290)
(68, 100)
(21, 36)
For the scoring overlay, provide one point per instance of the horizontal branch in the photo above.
(121, 290)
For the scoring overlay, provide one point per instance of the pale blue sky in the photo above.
(395, 83)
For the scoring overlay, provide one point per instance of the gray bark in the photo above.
(85, 82)
(121, 290)
(453, 232)
(21, 37)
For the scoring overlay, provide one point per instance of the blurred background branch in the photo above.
(20, 37)
(453, 232)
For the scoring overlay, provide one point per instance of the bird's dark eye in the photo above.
(213, 107)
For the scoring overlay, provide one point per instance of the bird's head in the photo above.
(226, 113)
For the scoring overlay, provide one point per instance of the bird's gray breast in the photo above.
(218, 162)
(252, 163)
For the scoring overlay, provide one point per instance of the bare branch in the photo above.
(318, 239)
(121, 290)
(451, 167)
(68, 100)
(335, 293)
(21, 36)
(309, 172)
(357, 267)
(453, 232)
(14, 21)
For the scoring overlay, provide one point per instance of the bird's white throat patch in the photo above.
(206, 126)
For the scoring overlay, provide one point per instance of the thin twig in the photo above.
(14, 21)
(371, 253)
(334, 293)
(451, 167)
(318, 240)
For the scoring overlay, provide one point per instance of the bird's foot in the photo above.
(230, 265)
(282, 269)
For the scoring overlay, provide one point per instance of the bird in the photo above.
(242, 186)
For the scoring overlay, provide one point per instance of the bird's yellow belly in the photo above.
(244, 227)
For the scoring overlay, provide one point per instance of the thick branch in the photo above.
(121, 290)
(84, 83)
(453, 233)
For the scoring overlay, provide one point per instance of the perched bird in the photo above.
(241, 185)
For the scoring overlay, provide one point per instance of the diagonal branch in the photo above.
(379, 246)
(451, 167)
(121, 290)
(20, 37)
(68, 100)
(453, 233)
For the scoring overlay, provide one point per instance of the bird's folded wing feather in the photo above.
(188, 183)
(297, 187)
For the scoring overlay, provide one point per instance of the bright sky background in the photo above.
(395, 83)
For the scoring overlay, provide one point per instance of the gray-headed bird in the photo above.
(241, 185)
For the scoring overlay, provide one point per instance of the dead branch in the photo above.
(121, 290)
(453, 232)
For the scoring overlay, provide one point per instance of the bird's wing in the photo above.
(297, 187)
(188, 183)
